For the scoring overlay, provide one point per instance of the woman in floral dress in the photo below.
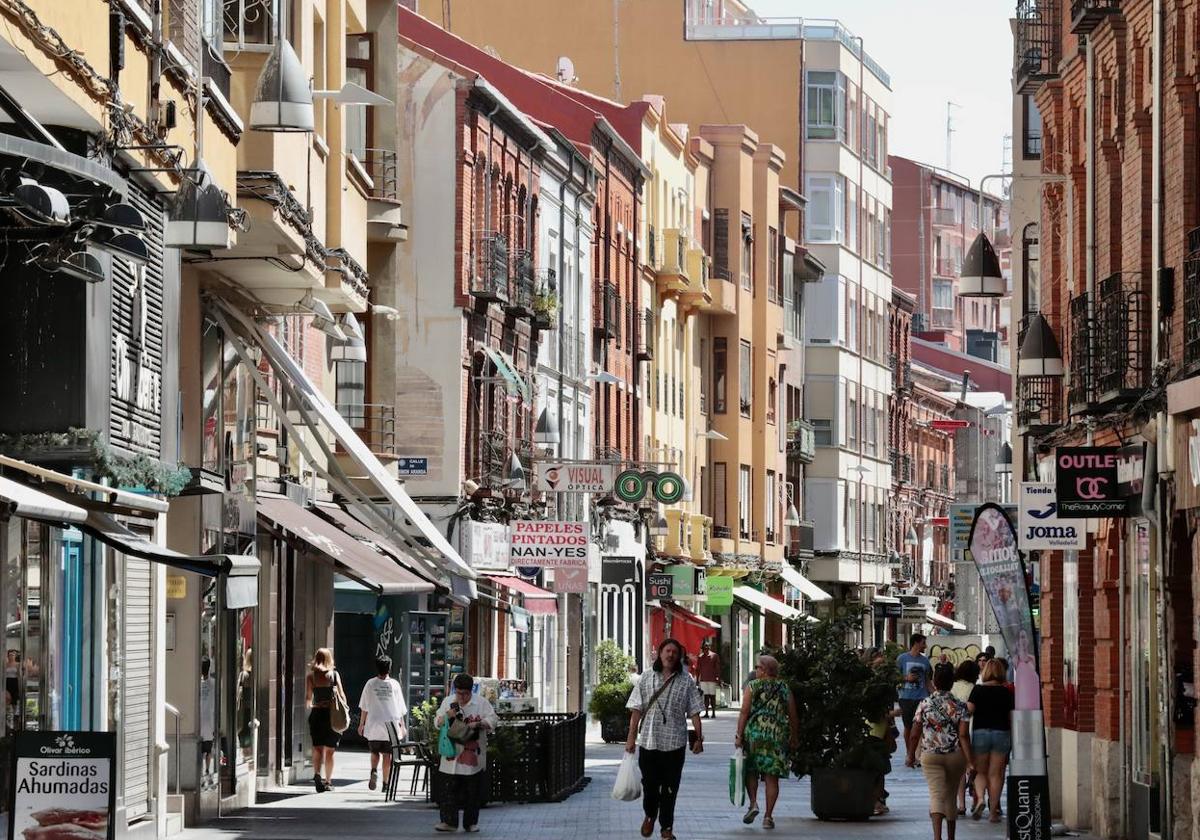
(767, 721)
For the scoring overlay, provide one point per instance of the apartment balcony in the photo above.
(724, 293)
(545, 299)
(523, 291)
(902, 467)
(944, 478)
(606, 310)
(1039, 404)
(1081, 387)
(672, 271)
(1036, 44)
(346, 279)
(699, 266)
(375, 424)
(385, 218)
(801, 441)
(801, 544)
(1122, 362)
(1191, 303)
(645, 350)
(489, 266)
(1086, 15)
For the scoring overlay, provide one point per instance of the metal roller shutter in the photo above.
(137, 686)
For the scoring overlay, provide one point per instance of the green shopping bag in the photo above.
(737, 778)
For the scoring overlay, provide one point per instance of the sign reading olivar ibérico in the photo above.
(548, 543)
(1086, 482)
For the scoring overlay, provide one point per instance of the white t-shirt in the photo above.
(382, 699)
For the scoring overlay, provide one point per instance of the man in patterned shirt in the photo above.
(661, 702)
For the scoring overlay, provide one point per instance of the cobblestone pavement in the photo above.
(703, 813)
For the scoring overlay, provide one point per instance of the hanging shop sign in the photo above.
(484, 545)
(62, 785)
(659, 586)
(883, 611)
(1040, 527)
(684, 576)
(574, 478)
(720, 591)
(666, 487)
(548, 543)
(1086, 482)
(571, 579)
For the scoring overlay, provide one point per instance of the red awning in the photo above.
(537, 600)
(687, 628)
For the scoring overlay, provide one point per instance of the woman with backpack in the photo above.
(661, 702)
(322, 692)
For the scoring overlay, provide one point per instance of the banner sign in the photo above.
(685, 579)
(548, 543)
(574, 478)
(63, 785)
(720, 591)
(1040, 527)
(658, 586)
(961, 517)
(993, 545)
(571, 579)
(1086, 482)
(484, 545)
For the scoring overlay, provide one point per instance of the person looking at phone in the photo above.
(469, 718)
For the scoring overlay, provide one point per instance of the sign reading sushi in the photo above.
(62, 786)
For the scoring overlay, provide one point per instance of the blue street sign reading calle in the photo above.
(412, 466)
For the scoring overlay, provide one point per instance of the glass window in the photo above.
(770, 501)
(745, 378)
(822, 432)
(826, 208)
(720, 377)
(826, 97)
(1031, 129)
(1030, 276)
(351, 392)
(852, 420)
(745, 502)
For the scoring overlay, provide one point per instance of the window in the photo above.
(826, 96)
(703, 378)
(360, 71)
(851, 317)
(770, 502)
(943, 303)
(853, 192)
(771, 390)
(852, 421)
(1031, 129)
(747, 252)
(318, 77)
(718, 509)
(773, 275)
(822, 432)
(1030, 277)
(745, 502)
(720, 244)
(720, 378)
(826, 208)
(745, 378)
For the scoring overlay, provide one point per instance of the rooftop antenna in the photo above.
(949, 130)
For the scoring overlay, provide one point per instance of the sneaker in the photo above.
(471, 829)
(751, 814)
(374, 783)
(444, 827)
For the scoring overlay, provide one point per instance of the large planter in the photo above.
(615, 729)
(843, 794)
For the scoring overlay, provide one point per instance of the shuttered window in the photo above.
(719, 516)
(137, 685)
(721, 242)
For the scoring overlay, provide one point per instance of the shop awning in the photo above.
(507, 371)
(410, 526)
(346, 521)
(354, 559)
(944, 621)
(238, 571)
(766, 603)
(537, 600)
(24, 501)
(807, 588)
(885, 599)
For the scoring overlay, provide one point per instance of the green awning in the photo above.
(508, 371)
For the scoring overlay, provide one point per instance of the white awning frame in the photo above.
(33, 504)
(765, 602)
(807, 588)
(944, 621)
(429, 547)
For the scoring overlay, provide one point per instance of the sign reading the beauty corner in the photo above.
(574, 478)
(62, 786)
(548, 543)
(1040, 526)
(1086, 482)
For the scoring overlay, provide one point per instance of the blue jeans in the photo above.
(991, 741)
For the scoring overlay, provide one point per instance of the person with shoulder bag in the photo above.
(465, 719)
(662, 701)
(328, 715)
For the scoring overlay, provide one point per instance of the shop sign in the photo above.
(570, 579)
(548, 543)
(961, 517)
(684, 576)
(1086, 482)
(1040, 527)
(720, 591)
(176, 587)
(412, 466)
(574, 478)
(883, 611)
(484, 545)
(62, 785)
(658, 586)
(666, 487)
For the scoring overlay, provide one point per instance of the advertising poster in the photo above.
(993, 545)
(1086, 482)
(63, 786)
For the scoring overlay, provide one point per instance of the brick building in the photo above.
(1117, 209)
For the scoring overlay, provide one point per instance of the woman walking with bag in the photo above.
(467, 718)
(940, 725)
(768, 715)
(322, 693)
(661, 702)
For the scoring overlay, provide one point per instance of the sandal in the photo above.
(977, 811)
(768, 823)
(751, 814)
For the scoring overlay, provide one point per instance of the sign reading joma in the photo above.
(548, 543)
(632, 485)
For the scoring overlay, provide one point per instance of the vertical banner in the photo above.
(994, 547)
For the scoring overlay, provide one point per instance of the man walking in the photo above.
(916, 673)
(708, 674)
(382, 700)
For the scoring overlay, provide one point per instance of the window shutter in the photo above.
(721, 240)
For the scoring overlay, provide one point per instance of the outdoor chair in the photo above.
(405, 754)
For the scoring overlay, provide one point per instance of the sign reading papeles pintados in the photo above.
(62, 786)
(548, 543)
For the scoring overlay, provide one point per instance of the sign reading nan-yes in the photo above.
(548, 543)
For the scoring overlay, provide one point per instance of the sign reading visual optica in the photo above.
(632, 486)
(548, 543)
(1086, 482)
(63, 785)
(574, 478)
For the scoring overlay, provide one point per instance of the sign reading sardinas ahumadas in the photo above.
(62, 786)
(548, 543)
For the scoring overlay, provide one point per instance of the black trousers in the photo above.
(661, 772)
(461, 793)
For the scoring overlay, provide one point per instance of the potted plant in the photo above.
(837, 692)
(612, 692)
(545, 307)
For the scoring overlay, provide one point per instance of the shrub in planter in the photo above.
(608, 707)
(837, 692)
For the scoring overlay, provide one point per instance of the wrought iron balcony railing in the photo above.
(380, 166)
(1039, 403)
(375, 424)
(1081, 390)
(1086, 15)
(801, 440)
(489, 266)
(1122, 349)
(1037, 45)
(607, 315)
(646, 339)
(524, 288)
(1191, 302)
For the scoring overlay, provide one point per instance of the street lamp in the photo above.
(545, 431)
(980, 276)
(711, 434)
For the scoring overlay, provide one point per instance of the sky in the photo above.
(934, 50)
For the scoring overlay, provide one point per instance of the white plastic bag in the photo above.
(629, 783)
(737, 778)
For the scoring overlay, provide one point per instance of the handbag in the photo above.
(339, 709)
(446, 748)
(737, 778)
(460, 731)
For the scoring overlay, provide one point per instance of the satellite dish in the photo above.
(566, 71)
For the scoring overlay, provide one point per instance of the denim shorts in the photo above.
(991, 741)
